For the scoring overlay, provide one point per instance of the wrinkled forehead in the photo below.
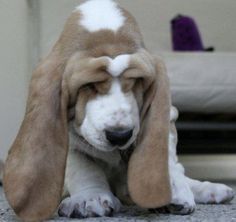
(82, 69)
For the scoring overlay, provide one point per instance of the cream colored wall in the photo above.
(14, 68)
(216, 20)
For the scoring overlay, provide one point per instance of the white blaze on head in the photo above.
(118, 65)
(101, 14)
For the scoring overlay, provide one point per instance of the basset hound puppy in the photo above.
(99, 125)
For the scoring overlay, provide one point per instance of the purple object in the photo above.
(186, 36)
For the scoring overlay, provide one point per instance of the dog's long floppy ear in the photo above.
(148, 176)
(34, 170)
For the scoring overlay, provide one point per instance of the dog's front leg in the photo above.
(89, 191)
(182, 196)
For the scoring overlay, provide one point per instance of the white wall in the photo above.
(14, 68)
(216, 20)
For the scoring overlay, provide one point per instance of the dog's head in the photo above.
(105, 113)
(100, 78)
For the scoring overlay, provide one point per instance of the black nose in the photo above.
(118, 137)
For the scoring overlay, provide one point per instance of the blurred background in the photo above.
(203, 80)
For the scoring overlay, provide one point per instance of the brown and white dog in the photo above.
(101, 94)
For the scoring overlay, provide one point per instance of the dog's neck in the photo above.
(113, 158)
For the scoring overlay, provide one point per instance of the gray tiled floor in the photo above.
(203, 213)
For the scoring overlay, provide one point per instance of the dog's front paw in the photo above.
(181, 209)
(213, 193)
(182, 202)
(177, 209)
(89, 203)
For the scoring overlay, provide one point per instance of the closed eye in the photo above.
(128, 84)
(89, 86)
(98, 87)
(103, 87)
